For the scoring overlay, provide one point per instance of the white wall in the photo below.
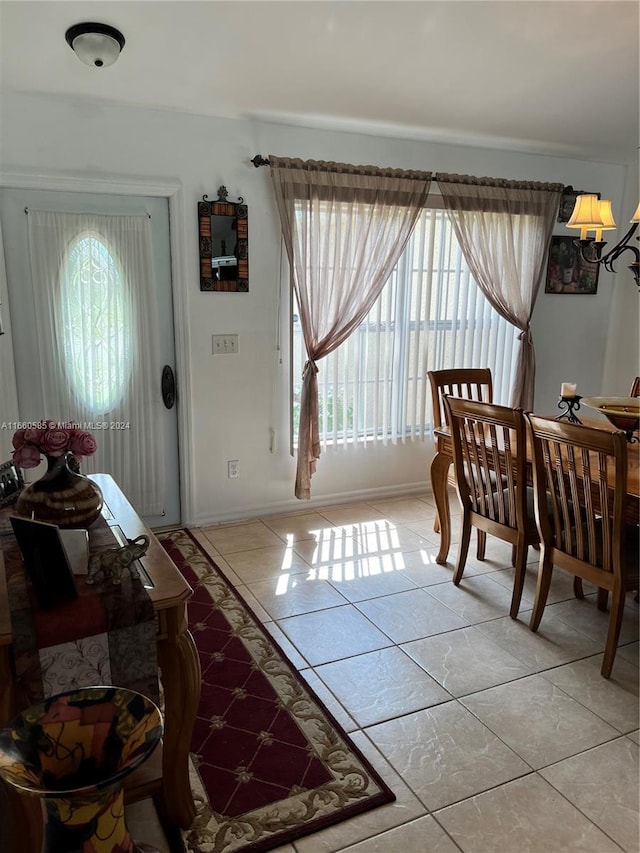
(235, 400)
(622, 362)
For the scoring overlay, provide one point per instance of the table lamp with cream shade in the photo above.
(593, 214)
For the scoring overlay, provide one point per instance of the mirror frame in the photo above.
(237, 210)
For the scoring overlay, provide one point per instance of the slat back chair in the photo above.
(489, 460)
(635, 388)
(584, 533)
(471, 383)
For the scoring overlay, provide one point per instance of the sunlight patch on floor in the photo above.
(347, 553)
(283, 584)
(333, 543)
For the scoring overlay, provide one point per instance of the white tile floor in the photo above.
(493, 738)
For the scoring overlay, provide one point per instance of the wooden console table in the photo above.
(167, 777)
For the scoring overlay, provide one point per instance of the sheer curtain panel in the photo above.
(8, 391)
(504, 229)
(97, 339)
(344, 228)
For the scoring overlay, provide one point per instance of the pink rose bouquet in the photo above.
(50, 439)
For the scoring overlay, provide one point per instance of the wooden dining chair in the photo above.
(489, 461)
(584, 533)
(471, 383)
(635, 388)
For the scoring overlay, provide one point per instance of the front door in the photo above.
(22, 299)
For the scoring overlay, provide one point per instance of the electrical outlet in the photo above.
(224, 344)
(233, 469)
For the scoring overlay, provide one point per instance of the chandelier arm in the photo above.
(613, 256)
(622, 245)
(608, 259)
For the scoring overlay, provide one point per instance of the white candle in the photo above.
(568, 389)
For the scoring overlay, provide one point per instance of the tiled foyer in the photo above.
(493, 738)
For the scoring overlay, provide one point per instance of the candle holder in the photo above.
(570, 405)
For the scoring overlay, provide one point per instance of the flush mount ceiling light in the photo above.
(98, 45)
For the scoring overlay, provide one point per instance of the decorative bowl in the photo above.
(622, 412)
(74, 750)
(79, 741)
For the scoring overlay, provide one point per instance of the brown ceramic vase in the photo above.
(61, 496)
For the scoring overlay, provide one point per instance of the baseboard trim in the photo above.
(292, 505)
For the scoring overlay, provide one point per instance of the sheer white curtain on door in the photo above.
(8, 393)
(97, 340)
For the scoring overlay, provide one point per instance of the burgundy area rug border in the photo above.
(350, 784)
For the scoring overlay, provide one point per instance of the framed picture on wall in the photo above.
(568, 202)
(567, 271)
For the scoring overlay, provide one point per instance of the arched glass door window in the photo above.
(96, 323)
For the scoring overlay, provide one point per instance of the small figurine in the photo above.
(114, 561)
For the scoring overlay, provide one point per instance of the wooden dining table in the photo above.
(443, 459)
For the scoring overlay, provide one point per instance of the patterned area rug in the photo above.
(271, 763)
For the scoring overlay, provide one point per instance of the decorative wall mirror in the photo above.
(224, 244)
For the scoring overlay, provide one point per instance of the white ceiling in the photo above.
(549, 76)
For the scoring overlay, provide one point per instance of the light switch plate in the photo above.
(224, 344)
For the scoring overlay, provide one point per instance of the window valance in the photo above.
(325, 180)
(496, 195)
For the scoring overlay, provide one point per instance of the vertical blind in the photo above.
(430, 315)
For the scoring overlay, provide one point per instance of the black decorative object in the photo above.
(224, 244)
(168, 387)
(570, 405)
